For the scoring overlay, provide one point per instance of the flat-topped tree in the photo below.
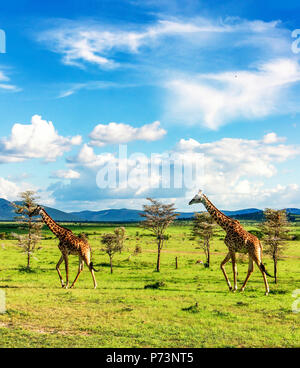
(25, 217)
(158, 217)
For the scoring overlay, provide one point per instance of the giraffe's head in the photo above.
(198, 198)
(36, 211)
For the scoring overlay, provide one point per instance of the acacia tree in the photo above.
(203, 229)
(113, 243)
(275, 233)
(158, 217)
(24, 209)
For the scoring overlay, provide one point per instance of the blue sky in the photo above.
(215, 81)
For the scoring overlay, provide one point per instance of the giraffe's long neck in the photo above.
(56, 229)
(220, 218)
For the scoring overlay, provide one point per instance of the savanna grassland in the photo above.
(192, 308)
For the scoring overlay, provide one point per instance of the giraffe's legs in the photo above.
(87, 260)
(58, 271)
(234, 269)
(94, 278)
(67, 270)
(80, 268)
(226, 259)
(250, 270)
(258, 262)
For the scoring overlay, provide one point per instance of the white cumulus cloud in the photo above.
(87, 158)
(234, 172)
(66, 174)
(271, 138)
(36, 140)
(114, 133)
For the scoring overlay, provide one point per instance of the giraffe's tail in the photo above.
(92, 267)
(263, 268)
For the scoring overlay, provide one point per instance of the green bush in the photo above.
(257, 233)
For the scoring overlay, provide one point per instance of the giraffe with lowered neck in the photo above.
(237, 240)
(68, 244)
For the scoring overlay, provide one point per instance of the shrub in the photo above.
(156, 285)
(257, 233)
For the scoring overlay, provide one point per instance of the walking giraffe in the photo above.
(237, 240)
(68, 244)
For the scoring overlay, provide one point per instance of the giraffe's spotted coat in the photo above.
(68, 244)
(237, 240)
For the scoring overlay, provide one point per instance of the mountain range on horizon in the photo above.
(123, 215)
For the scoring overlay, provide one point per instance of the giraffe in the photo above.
(237, 240)
(68, 244)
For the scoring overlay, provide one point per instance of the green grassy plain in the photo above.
(193, 309)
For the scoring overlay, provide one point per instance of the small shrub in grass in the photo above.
(204, 230)
(258, 233)
(192, 309)
(83, 236)
(26, 269)
(137, 250)
(156, 285)
(242, 304)
(113, 243)
(279, 292)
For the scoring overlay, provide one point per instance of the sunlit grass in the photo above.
(191, 308)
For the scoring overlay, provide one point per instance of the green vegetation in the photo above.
(113, 243)
(203, 230)
(25, 217)
(138, 307)
(275, 229)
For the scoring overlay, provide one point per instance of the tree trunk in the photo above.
(111, 266)
(28, 259)
(158, 256)
(275, 269)
(30, 242)
(208, 254)
(176, 263)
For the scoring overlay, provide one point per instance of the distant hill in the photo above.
(242, 212)
(113, 215)
(293, 211)
(6, 210)
(124, 214)
(58, 215)
(118, 215)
